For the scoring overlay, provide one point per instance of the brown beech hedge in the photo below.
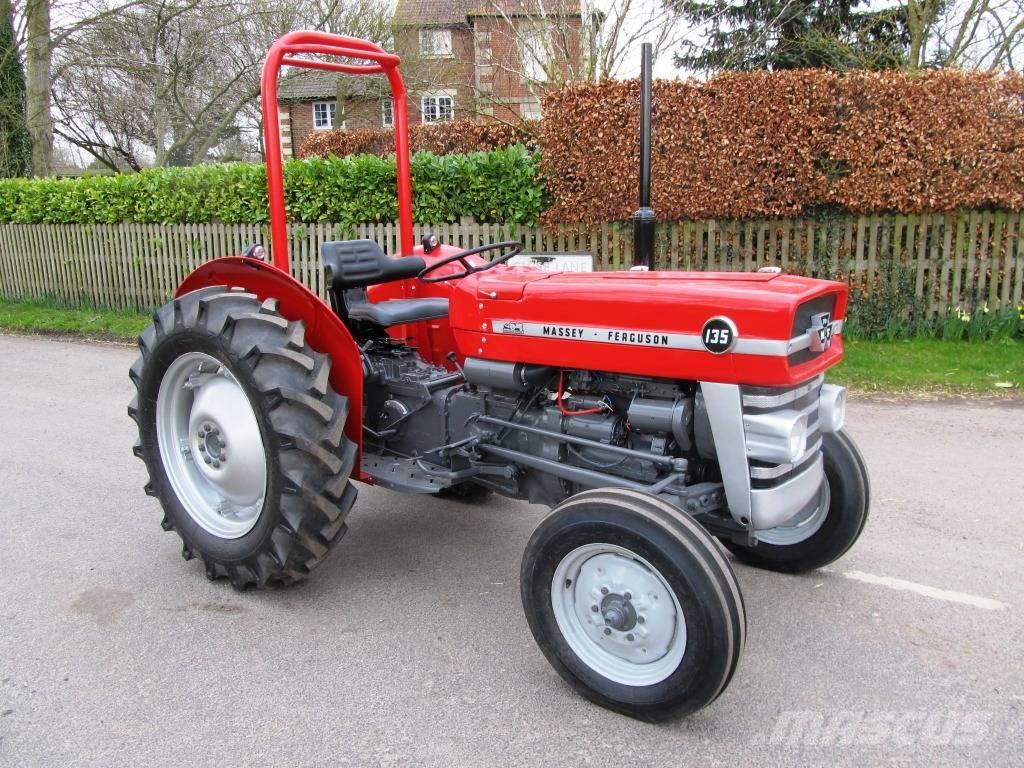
(457, 137)
(782, 143)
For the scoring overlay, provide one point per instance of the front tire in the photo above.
(633, 604)
(830, 532)
(243, 437)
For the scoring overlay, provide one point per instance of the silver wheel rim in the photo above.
(210, 445)
(803, 526)
(618, 614)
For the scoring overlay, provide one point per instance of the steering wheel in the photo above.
(513, 247)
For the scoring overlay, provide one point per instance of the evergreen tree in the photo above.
(790, 34)
(15, 145)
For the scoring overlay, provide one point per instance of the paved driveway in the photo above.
(409, 647)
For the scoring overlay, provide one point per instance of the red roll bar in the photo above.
(283, 54)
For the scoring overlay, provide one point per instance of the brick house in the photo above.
(466, 59)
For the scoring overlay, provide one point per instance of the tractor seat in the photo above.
(352, 265)
(393, 311)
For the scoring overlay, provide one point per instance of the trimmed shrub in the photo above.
(498, 186)
(456, 137)
(764, 144)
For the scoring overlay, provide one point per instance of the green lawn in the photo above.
(41, 317)
(870, 366)
(932, 365)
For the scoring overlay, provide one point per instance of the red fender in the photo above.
(324, 330)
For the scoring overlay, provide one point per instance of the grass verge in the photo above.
(932, 365)
(915, 365)
(43, 317)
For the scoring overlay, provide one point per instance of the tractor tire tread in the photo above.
(305, 413)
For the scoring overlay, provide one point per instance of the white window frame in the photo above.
(436, 42)
(332, 115)
(437, 96)
(531, 110)
(387, 113)
(535, 51)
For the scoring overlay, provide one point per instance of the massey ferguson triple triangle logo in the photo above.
(820, 332)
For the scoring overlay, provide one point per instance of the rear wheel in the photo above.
(243, 437)
(828, 531)
(633, 604)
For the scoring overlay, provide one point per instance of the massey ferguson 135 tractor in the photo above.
(658, 413)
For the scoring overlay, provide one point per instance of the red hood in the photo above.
(762, 306)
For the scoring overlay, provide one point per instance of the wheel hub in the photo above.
(211, 445)
(618, 614)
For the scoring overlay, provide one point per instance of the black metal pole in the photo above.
(644, 218)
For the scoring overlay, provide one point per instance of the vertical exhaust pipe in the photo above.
(644, 218)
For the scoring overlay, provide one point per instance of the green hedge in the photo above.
(498, 186)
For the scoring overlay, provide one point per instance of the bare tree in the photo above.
(986, 34)
(38, 49)
(177, 82)
(41, 39)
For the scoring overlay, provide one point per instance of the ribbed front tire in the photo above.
(633, 604)
(839, 524)
(253, 377)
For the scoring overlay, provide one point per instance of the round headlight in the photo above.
(797, 438)
(832, 408)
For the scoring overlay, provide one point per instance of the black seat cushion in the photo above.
(395, 311)
(359, 263)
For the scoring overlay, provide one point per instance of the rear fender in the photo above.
(325, 331)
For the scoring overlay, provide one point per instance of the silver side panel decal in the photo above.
(638, 337)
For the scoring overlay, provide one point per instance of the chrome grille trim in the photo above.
(770, 473)
(785, 397)
(803, 398)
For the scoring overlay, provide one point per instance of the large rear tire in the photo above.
(243, 437)
(829, 532)
(633, 604)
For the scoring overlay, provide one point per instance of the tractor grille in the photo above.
(802, 321)
(802, 398)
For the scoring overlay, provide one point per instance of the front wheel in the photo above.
(828, 531)
(633, 604)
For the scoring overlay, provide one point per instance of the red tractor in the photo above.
(658, 413)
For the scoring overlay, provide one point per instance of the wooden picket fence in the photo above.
(963, 259)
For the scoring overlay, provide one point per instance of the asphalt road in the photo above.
(409, 646)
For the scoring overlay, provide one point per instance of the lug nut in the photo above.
(607, 631)
(207, 459)
(207, 427)
(630, 637)
(640, 619)
(604, 590)
(216, 465)
(628, 596)
(594, 608)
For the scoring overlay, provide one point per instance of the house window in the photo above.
(531, 110)
(387, 111)
(438, 107)
(435, 42)
(323, 115)
(535, 54)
